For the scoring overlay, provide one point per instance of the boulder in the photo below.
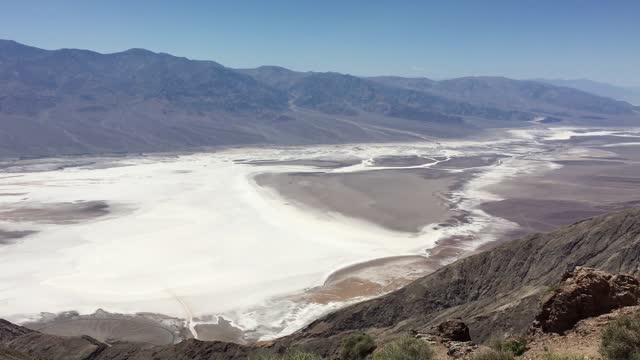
(584, 293)
(454, 330)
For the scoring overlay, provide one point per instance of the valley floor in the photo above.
(251, 244)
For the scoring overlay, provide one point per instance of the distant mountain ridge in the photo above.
(69, 101)
(629, 94)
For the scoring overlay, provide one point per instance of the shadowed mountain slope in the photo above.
(496, 292)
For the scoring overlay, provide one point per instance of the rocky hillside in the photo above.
(531, 285)
(73, 101)
(498, 291)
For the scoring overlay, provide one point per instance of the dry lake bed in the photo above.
(250, 244)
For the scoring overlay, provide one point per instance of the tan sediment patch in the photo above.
(369, 279)
(401, 200)
(379, 276)
(348, 289)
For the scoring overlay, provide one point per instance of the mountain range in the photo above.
(69, 101)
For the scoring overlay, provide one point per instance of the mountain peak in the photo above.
(139, 51)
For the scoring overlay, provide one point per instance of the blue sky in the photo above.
(599, 40)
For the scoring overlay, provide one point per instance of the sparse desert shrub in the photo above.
(291, 355)
(516, 347)
(300, 355)
(621, 338)
(357, 346)
(491, 354)
(563, 356)
(406, 348)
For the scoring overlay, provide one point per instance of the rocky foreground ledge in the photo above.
(548, 288)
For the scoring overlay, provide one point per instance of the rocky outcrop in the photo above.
(584, 293)
(454, 330)
(583, 339)
(446, 348)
